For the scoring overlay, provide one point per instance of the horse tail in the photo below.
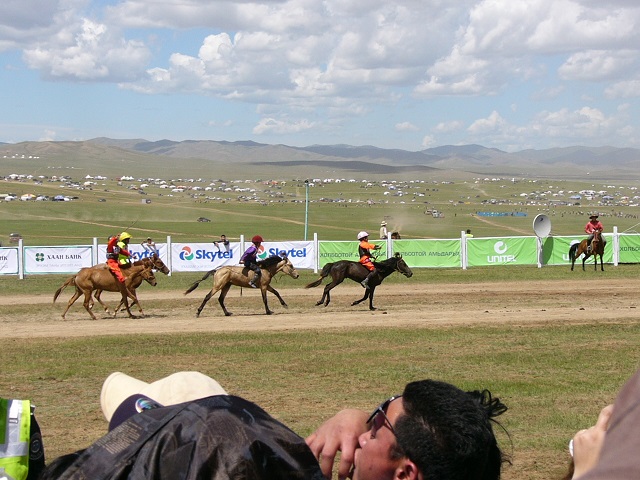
(323, 274)
(572, 251)
(195, 284)
(64, 285)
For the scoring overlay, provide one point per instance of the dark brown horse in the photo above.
(358, 272)
(153, 261)
(89, 279)
(597, 248)
(225, 277)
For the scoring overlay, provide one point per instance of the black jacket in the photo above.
(220, 437)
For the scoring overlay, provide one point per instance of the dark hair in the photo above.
(448, 433)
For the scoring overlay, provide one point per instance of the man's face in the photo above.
(373, 460)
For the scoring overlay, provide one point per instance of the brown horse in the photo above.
(225, 277)
(358, 272)
(153, 261)
(89, 279)
(597, 248)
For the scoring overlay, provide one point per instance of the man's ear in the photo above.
(407, 470)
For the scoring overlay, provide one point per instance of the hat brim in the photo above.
(177, 388)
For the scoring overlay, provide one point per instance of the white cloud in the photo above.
(448, 127)
(406, 127)
(338, 62)
(274, 126)
(428, 141)
(484, 125)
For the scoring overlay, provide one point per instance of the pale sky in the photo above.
(409, 74)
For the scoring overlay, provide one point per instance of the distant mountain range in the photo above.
(570, 162)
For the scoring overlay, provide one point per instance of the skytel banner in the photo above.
(202, 257)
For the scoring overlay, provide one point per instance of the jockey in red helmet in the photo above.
(250, 260)
(118, 254)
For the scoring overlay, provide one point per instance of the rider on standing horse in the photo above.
(364, 251)
(593, 225)
(118, 255)
(250, 258)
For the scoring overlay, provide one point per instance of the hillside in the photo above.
(211, 159)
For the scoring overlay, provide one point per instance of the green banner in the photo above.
(330, 252)
(429, 253)
(555, 250)
(502, 251)
(629, 248)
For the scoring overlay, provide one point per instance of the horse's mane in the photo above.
(388, 264)
(269, 261)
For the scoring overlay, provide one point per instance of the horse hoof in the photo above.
(269, 312)
(318, 304)
(227, 314)
(373, 308)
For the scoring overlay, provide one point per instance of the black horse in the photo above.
(358, 272)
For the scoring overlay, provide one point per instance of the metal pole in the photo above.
(306, 209)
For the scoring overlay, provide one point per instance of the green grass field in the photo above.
(555, 378)
(278, 212)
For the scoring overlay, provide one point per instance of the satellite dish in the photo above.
(542, 225)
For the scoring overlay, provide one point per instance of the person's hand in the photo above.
(587, 443)
(338, 434)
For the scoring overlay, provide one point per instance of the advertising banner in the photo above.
(429, 253)
(502, 251)
(555, 250)
(137, 252)
(56, 259)
(334, 251)
(629, 249)
(8, 261)
(202, 257)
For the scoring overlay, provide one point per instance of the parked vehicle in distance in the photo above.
(203, 219)
(14, 237)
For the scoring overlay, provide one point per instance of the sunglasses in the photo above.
(379, 418)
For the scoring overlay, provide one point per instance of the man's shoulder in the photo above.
(232, 433)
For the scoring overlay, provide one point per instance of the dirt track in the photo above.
(400, 305)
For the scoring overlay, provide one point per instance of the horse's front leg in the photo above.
(275, 292)
(601, 264)
(125, 299)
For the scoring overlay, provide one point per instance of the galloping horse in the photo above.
(597, 248)
(89, 279)
(357, 272)
(225, 277)
(153, 261)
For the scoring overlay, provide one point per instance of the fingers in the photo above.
(604, 417)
